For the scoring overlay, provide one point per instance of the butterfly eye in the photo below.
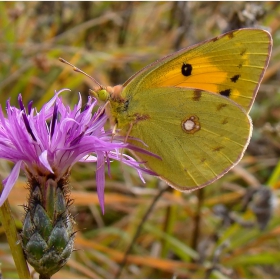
(102, 95)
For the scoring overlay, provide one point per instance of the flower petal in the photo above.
(10, 182)
(44, 160)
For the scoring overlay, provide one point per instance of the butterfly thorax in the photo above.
(116, 107)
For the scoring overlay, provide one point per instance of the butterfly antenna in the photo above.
(76, 69)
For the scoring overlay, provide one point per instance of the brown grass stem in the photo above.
(147, 214)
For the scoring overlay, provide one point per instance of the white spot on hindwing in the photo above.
(191, 124)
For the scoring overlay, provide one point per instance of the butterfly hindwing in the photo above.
(198, 135)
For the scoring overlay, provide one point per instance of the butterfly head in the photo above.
(105, 94)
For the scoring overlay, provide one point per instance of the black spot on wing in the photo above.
(225, 92)
(235, 78)
(186, 69)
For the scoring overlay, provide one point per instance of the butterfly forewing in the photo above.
(231, 65)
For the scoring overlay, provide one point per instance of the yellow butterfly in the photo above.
(191, 107)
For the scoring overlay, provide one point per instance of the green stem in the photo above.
(171, 214)
(12, 236)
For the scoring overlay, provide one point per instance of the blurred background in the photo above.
(229, 229)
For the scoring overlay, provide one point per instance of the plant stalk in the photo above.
(9, 226)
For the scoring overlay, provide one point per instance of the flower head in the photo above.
(47, 143)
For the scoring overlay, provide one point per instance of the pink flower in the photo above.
(51, 141)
